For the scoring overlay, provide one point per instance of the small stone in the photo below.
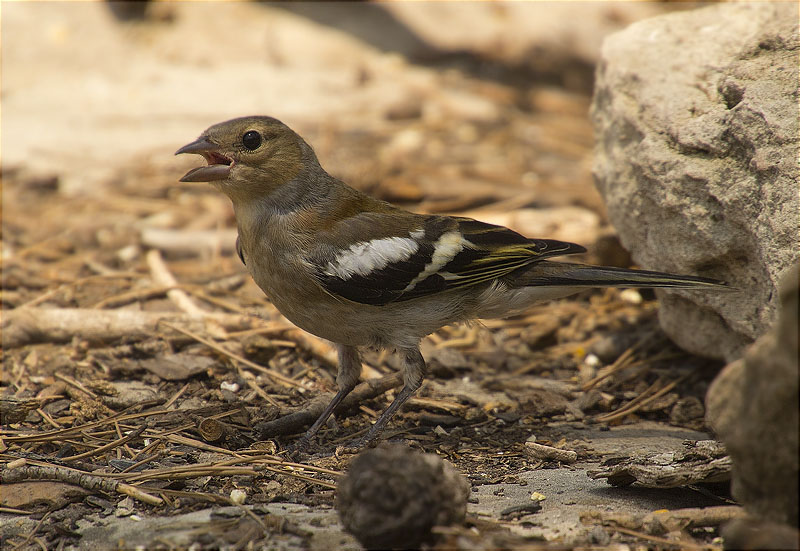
(230, 387)
(686, 410)
(598, 535)
(631, 296)
(591, 360)
(588, 400)
(259, 348)
(125, 508)
(238, 496)
(129, 253)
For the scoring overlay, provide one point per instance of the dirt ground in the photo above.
(141, 363)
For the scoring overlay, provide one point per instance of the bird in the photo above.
(362, 273)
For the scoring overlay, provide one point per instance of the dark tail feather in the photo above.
(564, 274)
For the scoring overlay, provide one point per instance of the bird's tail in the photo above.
(564, 274)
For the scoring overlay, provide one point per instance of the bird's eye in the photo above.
(251, 140)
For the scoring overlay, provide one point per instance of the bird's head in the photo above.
(248, 155)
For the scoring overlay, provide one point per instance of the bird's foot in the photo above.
(299, 450)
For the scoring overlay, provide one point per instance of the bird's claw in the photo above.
(299, 449)
(356, 446)
(347, 449)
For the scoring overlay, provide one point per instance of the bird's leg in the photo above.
(414, 372)
(346, 379)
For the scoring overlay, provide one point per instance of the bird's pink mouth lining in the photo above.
(218, 168)
(214, 158)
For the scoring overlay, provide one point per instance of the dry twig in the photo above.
(641, 400)
(78, 478)
(162, 276)
(23, 326)
(110, 446)
(549, 453)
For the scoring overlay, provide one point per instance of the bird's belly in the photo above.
(394, 325)
(501, 302)
(307, 306)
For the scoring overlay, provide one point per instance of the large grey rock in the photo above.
(697, 136)
(753, 407)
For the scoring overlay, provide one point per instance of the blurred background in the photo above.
(477, 108)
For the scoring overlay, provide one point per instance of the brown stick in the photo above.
(640, 401)
(189, 241)
(162, 276)
(78, 478)
(549, 453)
(132, 296)
(28, 325)
(110, 446)
(662, 522)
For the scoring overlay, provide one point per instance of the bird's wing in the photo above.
(402, 258)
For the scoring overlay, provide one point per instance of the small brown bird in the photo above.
(360, 272)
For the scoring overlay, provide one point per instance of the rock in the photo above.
(40, 495)
(392, 496)
(259, 348)
(746, 534)
(130, 393)
(697, 133)
(700, 462)
(177, 367)
(687, 412)
(539, 403)
(753, 406)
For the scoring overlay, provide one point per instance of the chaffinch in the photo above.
(360, 272)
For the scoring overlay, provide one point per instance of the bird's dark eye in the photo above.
(251, 140)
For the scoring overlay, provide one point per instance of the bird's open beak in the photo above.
(219, 165)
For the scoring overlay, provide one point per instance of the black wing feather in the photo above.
(488, 252)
